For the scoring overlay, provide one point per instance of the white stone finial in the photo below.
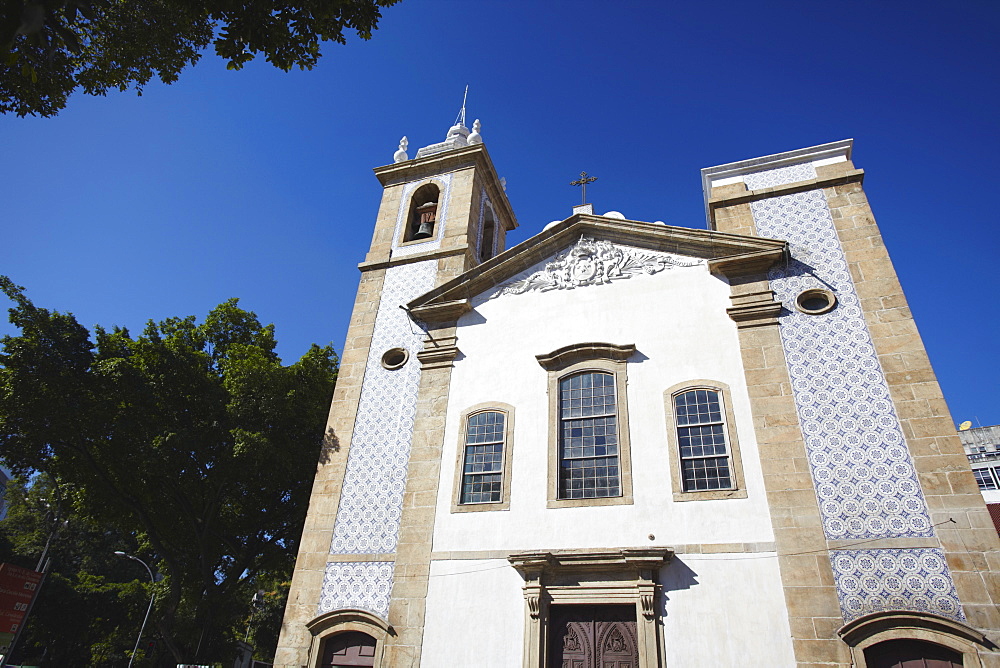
(475, 137)
(503, 183)
(400, 155)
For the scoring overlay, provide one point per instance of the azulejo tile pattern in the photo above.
(404, 211)
(780, 176)
(863, 474)
(906, 579)
(364, 585)
(371, 499)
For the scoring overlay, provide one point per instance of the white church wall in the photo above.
(475, 615)
(717, 610)
(725, 610)
(677, 320)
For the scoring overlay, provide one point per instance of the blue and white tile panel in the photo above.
(364, 585)
(906, 579)
(371, 499)
(402, 216)
(863, 474)
(780, 176)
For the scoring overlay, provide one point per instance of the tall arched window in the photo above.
(588, 437)
(422, 218)
(483, 468)
(589, 461)
(701, 437)
(482, 478)
(702, 434)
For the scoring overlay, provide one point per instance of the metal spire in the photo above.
(460, 119)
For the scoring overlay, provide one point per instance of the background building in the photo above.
(629, 443)
(982, 446)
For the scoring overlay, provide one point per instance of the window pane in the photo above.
(698, 407)
(707, 473)
(481, 488)
(701, 438)
(984, 479)
(485, 428)
(588, 437)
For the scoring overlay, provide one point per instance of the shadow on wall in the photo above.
(678, 576)
(331, 445)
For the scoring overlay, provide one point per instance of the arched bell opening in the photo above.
(489, 235)
(422, 218)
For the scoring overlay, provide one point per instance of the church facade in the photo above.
(621, 443)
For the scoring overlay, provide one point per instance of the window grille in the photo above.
(701, 436)
(482, 470)
(588, 437)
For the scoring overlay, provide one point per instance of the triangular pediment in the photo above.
(627, 247)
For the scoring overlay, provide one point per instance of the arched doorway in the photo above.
(348, 649)
(906, 653)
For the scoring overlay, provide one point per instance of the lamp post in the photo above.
(151, 598)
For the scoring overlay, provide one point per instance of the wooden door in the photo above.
(911, 654)
(349, 649)
(593, 636)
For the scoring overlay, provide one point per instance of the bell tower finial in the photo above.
(460, 119)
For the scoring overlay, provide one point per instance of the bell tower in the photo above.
(442, 213)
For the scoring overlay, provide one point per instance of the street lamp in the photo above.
(151, 598)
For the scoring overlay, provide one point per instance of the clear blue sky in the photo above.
(257, 184)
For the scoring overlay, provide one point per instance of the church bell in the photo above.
(426, 215)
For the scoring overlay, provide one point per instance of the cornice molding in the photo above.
(443, 311)
(730, 254)
(532, 564)
(578, 352)
(474, 155)
(438, 353)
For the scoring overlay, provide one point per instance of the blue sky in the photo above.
(257, 184)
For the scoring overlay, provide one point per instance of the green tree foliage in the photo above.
(193, 441)
(53, 47)
(89, 607)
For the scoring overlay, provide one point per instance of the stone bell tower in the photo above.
(368, 528)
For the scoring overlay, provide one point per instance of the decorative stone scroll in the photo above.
(593, 262)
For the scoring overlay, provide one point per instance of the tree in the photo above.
(89, 607)
(53, 47)
(191, 440)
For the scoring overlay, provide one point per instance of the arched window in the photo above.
(702, 435)
(589, 461)
(422, 217)
(352, 648)
(489, 234)
(588, 437)
(482, 480)
(483, 467)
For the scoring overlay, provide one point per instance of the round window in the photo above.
(815, 301)
(394, 358)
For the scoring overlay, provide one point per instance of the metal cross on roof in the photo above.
(583, 181)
